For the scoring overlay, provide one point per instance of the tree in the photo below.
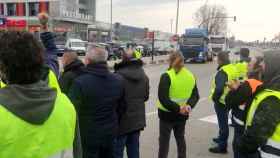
(212, 17)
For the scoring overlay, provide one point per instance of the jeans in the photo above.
(222, 114)
(238, 132)
(131, 142)
(164, 138)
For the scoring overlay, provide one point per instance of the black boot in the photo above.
(218, 150)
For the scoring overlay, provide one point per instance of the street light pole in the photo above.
(177, 16)
(111, 29)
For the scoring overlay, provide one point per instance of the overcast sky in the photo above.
(256, 19)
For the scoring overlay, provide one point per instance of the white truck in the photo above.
(218, 43)
(163, 43)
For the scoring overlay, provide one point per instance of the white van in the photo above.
(77, 45)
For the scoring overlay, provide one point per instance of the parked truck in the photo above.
(194, 45)
(218, 43)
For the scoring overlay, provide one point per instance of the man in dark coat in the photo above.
(136, 94)
(97, 95)
(72, 69)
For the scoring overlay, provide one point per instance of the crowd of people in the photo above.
(90, 112)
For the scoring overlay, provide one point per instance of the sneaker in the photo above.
(218, 150)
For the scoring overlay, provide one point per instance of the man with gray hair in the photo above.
(97, 95)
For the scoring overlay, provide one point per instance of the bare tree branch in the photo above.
(211, 17)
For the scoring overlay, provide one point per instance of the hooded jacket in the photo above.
(136, 85)
(267, 116)
(33, 103)
(71, 72)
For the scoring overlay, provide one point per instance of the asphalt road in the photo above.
(199, 133)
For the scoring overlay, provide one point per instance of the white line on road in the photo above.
(155, 112)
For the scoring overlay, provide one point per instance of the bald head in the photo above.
(96, 55)
(68, 58)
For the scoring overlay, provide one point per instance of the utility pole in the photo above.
(27, 15)
(177, 16)
(111, 29)
(171, 23)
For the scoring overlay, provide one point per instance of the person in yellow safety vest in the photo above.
(37, 121)
(138, 54)
(242, 65)
(226, 73)
(51, 79)
(178, 94)
(262, 131)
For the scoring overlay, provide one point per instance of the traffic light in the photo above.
(234, 18)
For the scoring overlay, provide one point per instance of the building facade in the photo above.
(65, 15)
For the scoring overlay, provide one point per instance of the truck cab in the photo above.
(218, 43)
(194, 45)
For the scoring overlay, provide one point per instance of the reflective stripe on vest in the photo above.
(25, 140)
(232, 74)
(270, 150)
(238, 121)
(181, 87)
(52, 80)
(273, 143)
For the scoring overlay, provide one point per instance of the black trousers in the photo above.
(164, 138)
(238, 132)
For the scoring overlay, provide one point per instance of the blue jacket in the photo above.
(50, 54)
(97, 95)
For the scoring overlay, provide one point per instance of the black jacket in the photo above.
(267, 116)
(136, 85)
(242, 95)
(173, 107)
(97, 95)
(71, 72)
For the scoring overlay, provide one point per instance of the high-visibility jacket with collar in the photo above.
(239, 114)
(272, 147)
(242, 68)
(232, 74)
(138, 54)
(52, 80)
(20, 139)
(181, 87)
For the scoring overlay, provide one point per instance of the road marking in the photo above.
(212, 119)
(156, 112)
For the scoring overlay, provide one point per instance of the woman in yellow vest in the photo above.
(36, 120)
(178, 94)
(262, 131)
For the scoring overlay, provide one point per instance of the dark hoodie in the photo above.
(267, 116)
(71, 72)
(136, 85)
